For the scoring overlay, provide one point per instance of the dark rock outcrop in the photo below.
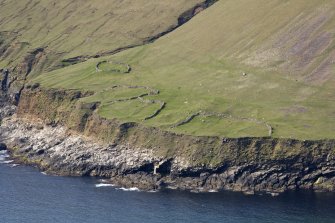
(3, 146)
(4, 80)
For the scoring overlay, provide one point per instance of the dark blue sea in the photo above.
(26, 195)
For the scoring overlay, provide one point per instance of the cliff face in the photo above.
(54, 130)
(93, 30)
(73, 140)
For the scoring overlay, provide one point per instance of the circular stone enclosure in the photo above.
(113, 66)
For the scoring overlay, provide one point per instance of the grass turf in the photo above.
(285, 48)
(69, 29)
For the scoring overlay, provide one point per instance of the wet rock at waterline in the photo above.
(56, 150)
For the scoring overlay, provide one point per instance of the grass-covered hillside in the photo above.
(239, 68)
(72, 28)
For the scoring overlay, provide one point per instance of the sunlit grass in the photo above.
(222, 61)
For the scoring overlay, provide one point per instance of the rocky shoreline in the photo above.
(57, 150)
(53, 130)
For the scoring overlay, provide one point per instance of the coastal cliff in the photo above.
(55, 131)
(204, 73)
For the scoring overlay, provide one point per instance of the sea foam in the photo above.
(7, 161)
(128, 189)
(104, 185)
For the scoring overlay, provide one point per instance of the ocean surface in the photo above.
(26, 195)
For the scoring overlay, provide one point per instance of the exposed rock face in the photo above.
(61, 152)
(57, 150)
(69, 138)
(54, 131)
(6, 109)
(4, 80)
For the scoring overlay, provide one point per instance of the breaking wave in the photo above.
(104, 185)
(128, 189)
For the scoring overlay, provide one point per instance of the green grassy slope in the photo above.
(87, 27)
(285, 48)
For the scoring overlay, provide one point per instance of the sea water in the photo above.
(26, 195)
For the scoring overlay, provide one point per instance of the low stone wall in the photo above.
(126, 152)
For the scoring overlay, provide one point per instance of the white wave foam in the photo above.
(104, 185)
(44, 173)
(128, 189)
(171, 187)
(3, 155)
(274, 194)
(213, 191)
(7, 161)
(14, 165)
(105, 181)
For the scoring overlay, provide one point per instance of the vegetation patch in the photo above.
(258, 74)
(123, 96)
(134, 110)
(212, 124)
